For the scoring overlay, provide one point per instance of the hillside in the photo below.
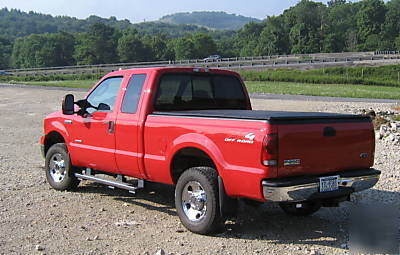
(16, 23)
(212, 20)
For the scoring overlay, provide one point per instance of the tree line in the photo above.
(308, 27)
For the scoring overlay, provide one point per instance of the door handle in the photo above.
(111, 127)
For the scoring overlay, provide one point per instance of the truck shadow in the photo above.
(328, 227)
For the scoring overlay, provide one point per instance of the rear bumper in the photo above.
(303, 188)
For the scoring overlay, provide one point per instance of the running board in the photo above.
(112, 183)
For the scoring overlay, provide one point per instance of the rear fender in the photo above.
(200, 142)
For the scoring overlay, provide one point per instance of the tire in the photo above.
(59, 170)
(306, 209)
(197, 201)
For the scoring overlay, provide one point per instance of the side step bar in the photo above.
(118, 183)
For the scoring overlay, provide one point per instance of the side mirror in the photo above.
(103, 107)
(68, 105)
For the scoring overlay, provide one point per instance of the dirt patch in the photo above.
(95, 220)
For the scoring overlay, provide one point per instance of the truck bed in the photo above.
(278, 117)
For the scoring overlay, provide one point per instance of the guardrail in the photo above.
(277, 61)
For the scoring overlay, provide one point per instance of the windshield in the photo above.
(180, 92)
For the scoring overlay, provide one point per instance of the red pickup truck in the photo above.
(194, 128)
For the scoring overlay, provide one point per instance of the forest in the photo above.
(35, 40)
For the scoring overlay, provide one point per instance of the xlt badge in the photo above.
(292, 162)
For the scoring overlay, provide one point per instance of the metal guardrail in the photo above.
(227, 63)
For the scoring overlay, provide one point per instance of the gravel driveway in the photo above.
(35, 219)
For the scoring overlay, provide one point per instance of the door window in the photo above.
(133, 92)
(106, 93)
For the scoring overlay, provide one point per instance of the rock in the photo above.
(160, 252)
(344, 246)
(393, 126)
(125, 223)
(384, 130)
(378, 135)
(96, 238)
(315, 252)
(39, 248)
(371, 113)
(391, 137)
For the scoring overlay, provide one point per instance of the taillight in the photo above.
(270, 150)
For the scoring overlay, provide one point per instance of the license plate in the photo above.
(329, 183)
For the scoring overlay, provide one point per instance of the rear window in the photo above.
(180, 92)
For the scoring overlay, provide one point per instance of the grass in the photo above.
(66, 84)
(358, 82)
(333, 90)
(379, 76)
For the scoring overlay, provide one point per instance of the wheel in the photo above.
(301, 208)
(59, 170)
(196, 200)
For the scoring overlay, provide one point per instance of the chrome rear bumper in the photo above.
(295, 189)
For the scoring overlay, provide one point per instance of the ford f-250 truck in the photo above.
(194, 128)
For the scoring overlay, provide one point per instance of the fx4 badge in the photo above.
(249, 139)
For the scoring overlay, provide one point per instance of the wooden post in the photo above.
(362, 72)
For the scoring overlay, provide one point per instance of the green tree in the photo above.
(306, 26)
(5, 52)
(273, 38)
(204, 45)
(44, 50)
(397, 43)
(132, 49)
(333, 3)
(98, 45)
(247, 38)
(370, 18)
(160, 47)
(184, 49)
(340, 21)
(391, 26)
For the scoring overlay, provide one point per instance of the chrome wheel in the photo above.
(194, 201)
(57, 167)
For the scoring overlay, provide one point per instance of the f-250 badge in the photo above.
(249, 139)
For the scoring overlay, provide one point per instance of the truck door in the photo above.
(127, 128)
(93, 136)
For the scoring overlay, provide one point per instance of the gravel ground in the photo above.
(35, 219)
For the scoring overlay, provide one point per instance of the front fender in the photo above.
(57, 126)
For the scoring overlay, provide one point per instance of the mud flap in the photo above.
(227, 205)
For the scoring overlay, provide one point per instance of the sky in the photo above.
(148, 10)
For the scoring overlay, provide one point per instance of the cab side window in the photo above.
(106, 92)
(133, 93)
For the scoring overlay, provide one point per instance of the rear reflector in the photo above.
(270, 162)
(270, 150)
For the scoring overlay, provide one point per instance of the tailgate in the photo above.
(318, 147)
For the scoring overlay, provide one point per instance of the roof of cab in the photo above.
(167, 69)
